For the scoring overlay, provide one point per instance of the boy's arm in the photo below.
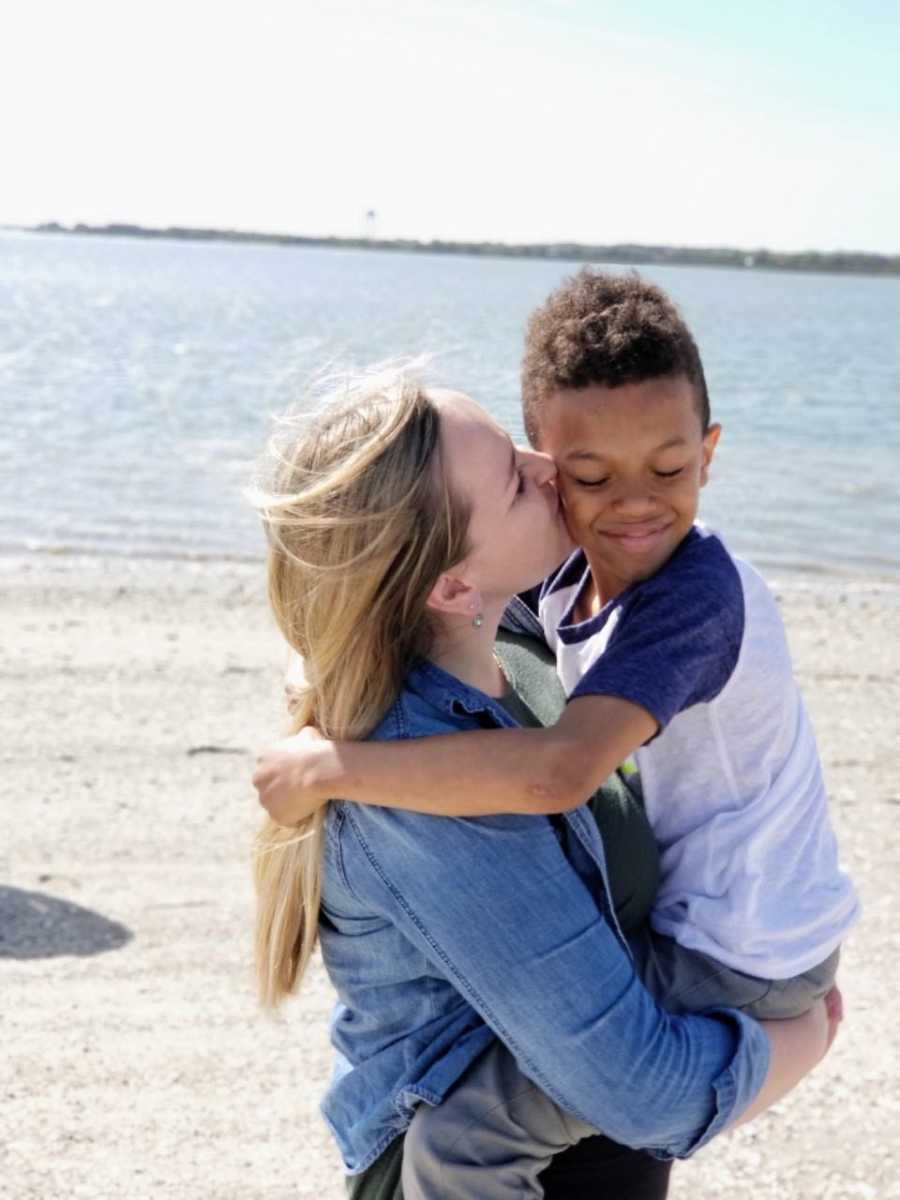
(531, 771)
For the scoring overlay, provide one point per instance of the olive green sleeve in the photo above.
(632, 857)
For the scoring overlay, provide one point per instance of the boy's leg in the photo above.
(686, 980)
(791, 997)
(491, 1137)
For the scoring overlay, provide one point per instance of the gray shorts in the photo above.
(685, 980)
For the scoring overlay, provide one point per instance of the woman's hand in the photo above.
(285, 774)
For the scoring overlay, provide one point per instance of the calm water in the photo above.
(137, 377)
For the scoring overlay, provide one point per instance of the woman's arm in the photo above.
(529, 771)
(500, 910)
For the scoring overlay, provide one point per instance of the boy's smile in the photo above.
(631, 461)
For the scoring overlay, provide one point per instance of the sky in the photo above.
(764, 124)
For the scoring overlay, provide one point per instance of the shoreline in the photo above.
(138, 1063)
(861, 263)
(778, 576)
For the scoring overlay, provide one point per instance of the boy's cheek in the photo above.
(578, 518)
(574, 500)
(567, 493)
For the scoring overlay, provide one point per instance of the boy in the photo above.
(672, 651)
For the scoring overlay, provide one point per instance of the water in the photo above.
(137, 379)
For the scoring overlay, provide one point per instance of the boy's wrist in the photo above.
(321, 773)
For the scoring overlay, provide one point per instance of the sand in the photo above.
(135, 1061)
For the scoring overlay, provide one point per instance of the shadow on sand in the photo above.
(34, 925)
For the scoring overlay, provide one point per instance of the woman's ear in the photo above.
(453, 595)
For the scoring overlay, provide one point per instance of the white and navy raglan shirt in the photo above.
(732, 781)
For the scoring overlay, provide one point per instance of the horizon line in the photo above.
(760, 258)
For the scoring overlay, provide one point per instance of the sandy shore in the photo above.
(135, 1061)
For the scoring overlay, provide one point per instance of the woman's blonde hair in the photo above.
(360, 522)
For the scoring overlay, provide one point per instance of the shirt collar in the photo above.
(450, 695)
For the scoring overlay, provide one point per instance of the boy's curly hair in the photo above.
(605, 329)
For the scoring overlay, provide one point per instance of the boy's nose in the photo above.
(632, 498)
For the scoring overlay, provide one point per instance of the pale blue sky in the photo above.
(516, 120)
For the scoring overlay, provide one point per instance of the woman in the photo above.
(400, 524)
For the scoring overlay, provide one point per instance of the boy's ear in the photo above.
(710, 441)
(452, 594)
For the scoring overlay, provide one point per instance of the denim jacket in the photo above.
(441, 933)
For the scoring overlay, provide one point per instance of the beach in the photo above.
(137, 1063)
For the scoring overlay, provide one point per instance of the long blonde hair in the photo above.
(360, 523)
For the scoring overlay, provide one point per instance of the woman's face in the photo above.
(517, 530)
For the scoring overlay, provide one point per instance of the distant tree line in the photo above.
(841, 261)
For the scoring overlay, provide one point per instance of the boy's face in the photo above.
(631, 462)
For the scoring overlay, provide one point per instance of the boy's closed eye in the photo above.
(596, 483)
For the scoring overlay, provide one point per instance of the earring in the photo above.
(478, 620)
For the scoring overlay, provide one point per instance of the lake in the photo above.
(137, 380)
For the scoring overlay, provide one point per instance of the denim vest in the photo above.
(441, 933)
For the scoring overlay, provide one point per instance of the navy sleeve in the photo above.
(676, 639)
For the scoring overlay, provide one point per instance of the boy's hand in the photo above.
(284, 774)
